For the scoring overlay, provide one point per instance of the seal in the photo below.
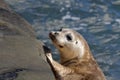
(77, 61)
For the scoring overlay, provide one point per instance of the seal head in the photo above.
(69, 43)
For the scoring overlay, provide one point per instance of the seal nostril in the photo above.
(56, 33)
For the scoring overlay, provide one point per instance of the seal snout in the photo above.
(53, 35)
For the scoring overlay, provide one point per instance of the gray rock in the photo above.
(21, 54)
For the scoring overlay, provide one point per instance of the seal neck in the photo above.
(67, 62)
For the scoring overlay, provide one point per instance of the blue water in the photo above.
(97, 20)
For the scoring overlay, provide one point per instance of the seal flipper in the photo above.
(58, 69)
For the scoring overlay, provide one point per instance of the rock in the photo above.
(21, 54)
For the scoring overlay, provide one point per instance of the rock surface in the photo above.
(21, 54)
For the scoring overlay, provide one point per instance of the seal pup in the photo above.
(77, 62)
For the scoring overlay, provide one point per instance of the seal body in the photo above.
(77, 62)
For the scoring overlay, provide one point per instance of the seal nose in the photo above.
(53, 33)
(56, 33)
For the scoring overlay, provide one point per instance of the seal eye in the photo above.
(69, 37)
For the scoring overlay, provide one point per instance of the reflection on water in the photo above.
(97, 20)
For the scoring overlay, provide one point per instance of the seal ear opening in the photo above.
(76, 42)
